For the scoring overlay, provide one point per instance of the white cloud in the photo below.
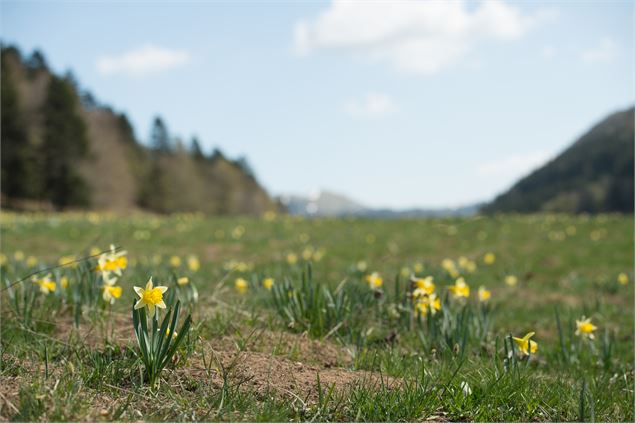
(415, 36)
(515, 166)
(142, 61)
(370, 106)
(605, 51)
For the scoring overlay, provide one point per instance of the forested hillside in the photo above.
(62, 149)
(594, 175)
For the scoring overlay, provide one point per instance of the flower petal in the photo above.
(162, 289)
(139, 304)
(160, 304)
(139, 291)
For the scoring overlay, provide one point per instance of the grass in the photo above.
(321, 344)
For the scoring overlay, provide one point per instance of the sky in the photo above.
(395, 104)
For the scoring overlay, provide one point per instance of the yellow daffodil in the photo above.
(484, 294)
(67, 261)
(361, 266)
(241, 285)
(193, 263)
(374, 280)
(307, 253)
(112, 261)
(584, 327)
(31, 261)
(489, 258)
(460, 289)
(150, 297)
(463, 262)
(525, 345)
(292, 258)
(423, 286)
(64, 282)
(317, 256)
(622, 279)
(175, 261)
(111, 293)
(46, 284)
(267, 283)
(449, 266)
(183, 281)
(511, 280)
(18, 255)
(428, 303)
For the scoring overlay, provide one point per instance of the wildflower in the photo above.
(317, 256)
(361, 266)
(489, 259)
(67, 261)
(463, 262)
(46, 284)
(193, 263)
(175, 261)
(111, 293)
(374, 280)
(241, 285)
(31, 261)
(64, 282)
(108, 278)
(460, 289)
(584, 327)
(113, 261)
(424, 286)
(449, 266)
(426, 303)
(465, 387)
(238, 232)
(183, 281)
(150, 297)
(307, 253)
(267, 283)
(511, 280)
(525, 345)
(18, 255)
(292, 258)
(484, 294)
(622, 278)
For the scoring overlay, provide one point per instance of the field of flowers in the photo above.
(140, 317)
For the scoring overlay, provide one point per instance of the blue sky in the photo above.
(395, 104)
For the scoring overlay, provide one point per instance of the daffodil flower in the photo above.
(484, 294)
(460, 289)
(150, 297)
(267, 283)
(183, 281)
(112, 261)
(622, 279)
(525, 345)
(241, 285)
(427, 303)
(584, 327)
(489, 259)
(46, 284)
(424, 286)
(111, 293)
(193, 263)
(511, 280)
(374, 280)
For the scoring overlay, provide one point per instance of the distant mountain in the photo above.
(329, 204)
(62, 149)
(594, 175)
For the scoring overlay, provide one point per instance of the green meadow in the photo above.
(317, 319)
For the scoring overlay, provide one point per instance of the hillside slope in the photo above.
(118, 172)
(594, 175)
